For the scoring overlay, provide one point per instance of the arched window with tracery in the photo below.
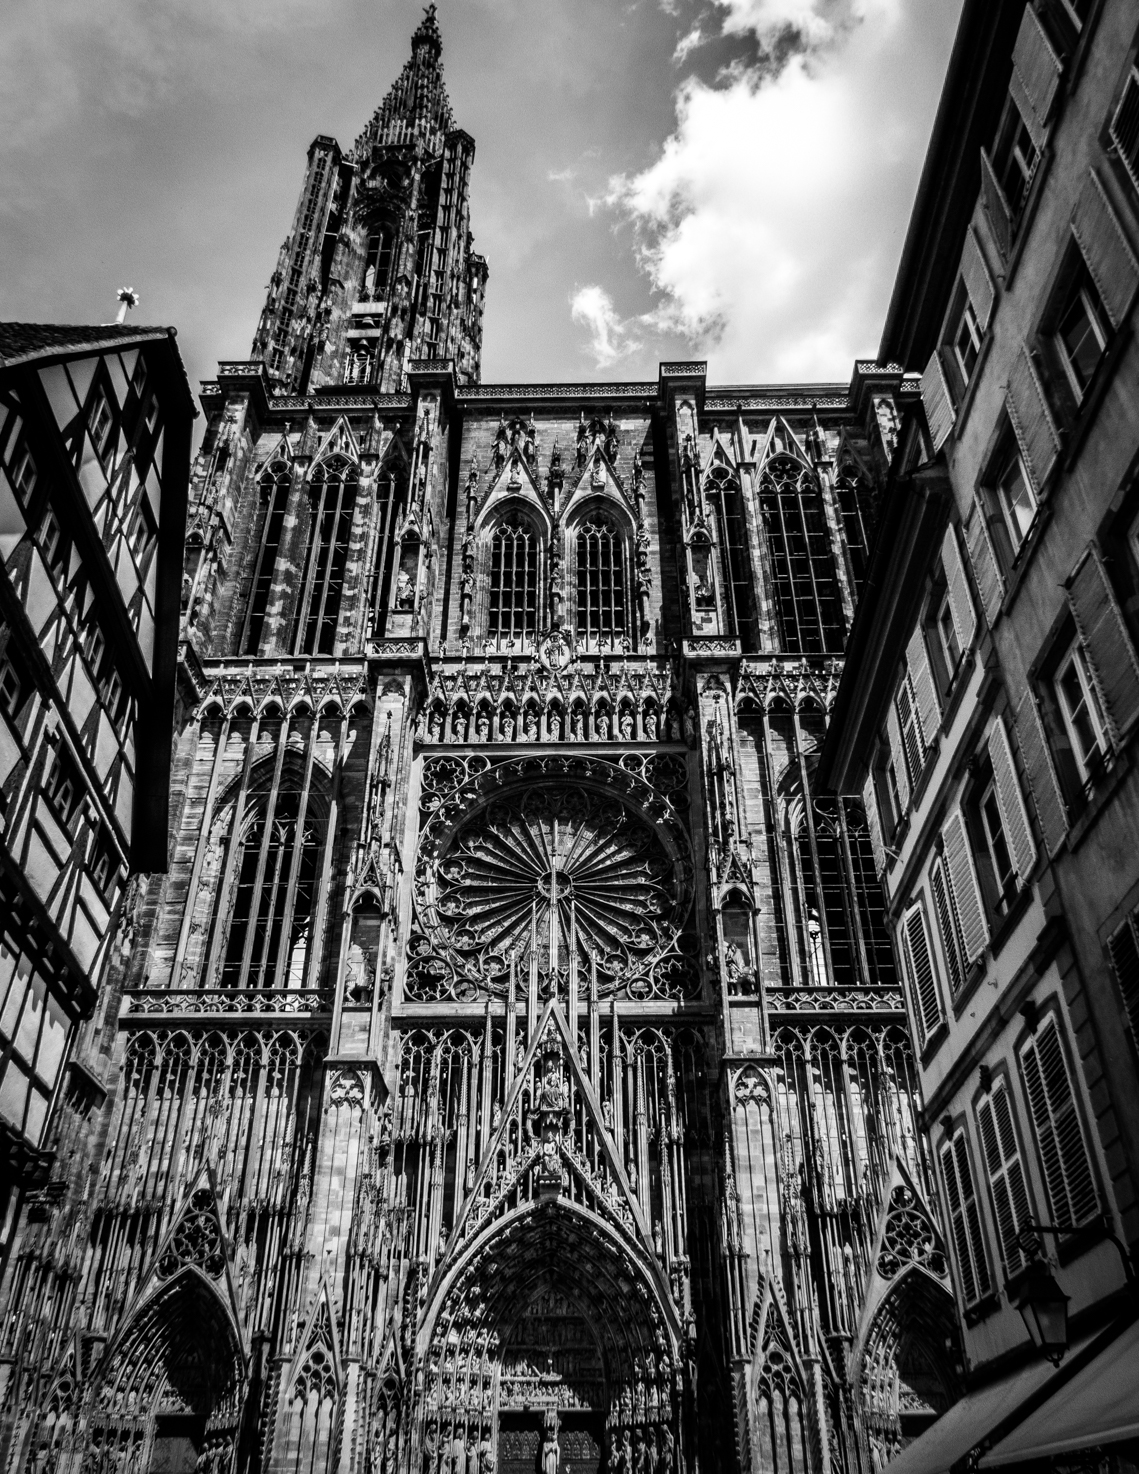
(261, 926)
(274, 489)
(602, 620)
(332, 500)
(722, 492)
(512, 614)
(377, 264)
(805, 591)
(855, 505)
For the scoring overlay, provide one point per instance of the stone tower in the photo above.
(509, 1070)
(378, 269)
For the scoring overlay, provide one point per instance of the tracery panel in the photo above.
(332, 501)
(513, 608)
(602, 615)
(805, 584)
(274, 488)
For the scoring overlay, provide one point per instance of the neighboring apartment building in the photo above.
(94, 464)
(990, 707)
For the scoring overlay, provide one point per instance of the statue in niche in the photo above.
(601, 725)
(506, 727)
(555, 725)
(612, 439)
(428, 1460)
(690, 726)
(577, 724)
(607, 1113)
(435, 725)
(404, 592)
(650, 724)
(627, 725)
(459, 727)
(486, 1455)
(530, 725)
(482, 725)
(631, 1173)
(458, 1454)
(551, 1448)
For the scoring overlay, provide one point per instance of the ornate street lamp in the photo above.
(1044, 1308)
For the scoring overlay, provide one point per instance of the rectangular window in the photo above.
(63, 787)
(1008, 1186)
(1015, 157)
(1123, 949)
(967, 340)
(946, 631)
(1081, 333)
(952, 944)
(1064, 1161)
(1017, 500)
(51, 542)
(912, 744)
(1125, 126)
(24, 473)
(100, 422)
(996, 843)
(104, 862)
(1083, 716)
(922, 973)
(13, 688)
(964, 1218)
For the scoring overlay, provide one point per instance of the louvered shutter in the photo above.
(1125, 126)
(1032, 420)
(923, 978)
(1123, 949)
(1059, 1136)
(978, 282)
(925, 692)
(966, 891)
(1035, 75)
(898, 754)
(964, 1219)
(939, 411)
(996, 205)
(1047, 797)
(1105, 248)
(990, 583)
(947, 925)
(1011, 804)
(1106, 641)
(1005, 1172)
(957, 585)
(873, 822)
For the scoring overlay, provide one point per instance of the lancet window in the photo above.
(513, 609)
(857, 524)
(722, 492)
(332, 494)
(838, 900)
(262, 916)
(804, 582)
(379, 588)
(377, 264)
(274, 487)
(602, 620)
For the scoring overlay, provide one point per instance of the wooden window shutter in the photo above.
(1005, 1172)
(1064, 1160)
(978, 282)
(1013, 814)
(996, 205)
(1111, 654)
(1125, 126)
(964, 1219)
(963, 883)
(939, 411)
(1031, 418)
(1047, 796)
(873, 822)
(1106, 249)
(957, 586)
(952, 946)
(986, 570)
(1123, 949)
(919, 964)
(1035, 75)
(898, 754)
(925, 692)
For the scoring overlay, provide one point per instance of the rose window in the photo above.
(558, 873)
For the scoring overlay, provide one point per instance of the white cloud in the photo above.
(610, 336)
(772, 221)
(560, 176)
(688, 43)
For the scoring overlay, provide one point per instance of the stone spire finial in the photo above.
(427, 33)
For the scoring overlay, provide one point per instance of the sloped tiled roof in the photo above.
(20, 341)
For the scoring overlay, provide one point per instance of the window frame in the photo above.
(1089, 766)
(1082, 290)
(1013, 460)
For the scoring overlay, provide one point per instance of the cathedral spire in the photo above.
(416, 106)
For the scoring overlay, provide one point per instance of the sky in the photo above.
(653, 179)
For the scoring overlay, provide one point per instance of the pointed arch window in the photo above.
(804, 581)
(332, 493)
(261, 925)
(602, 621)
(377, 264)
(722, 492)
(274, 486)
(856, 509)
(513, 610)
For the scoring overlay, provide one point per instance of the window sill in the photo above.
(1008, 922)
(1098, 801)
(1082, 422)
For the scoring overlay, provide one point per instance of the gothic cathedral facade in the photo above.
(509, 1070)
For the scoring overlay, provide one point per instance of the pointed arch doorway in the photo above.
(552, 1323)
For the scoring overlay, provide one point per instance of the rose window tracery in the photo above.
(564, 876)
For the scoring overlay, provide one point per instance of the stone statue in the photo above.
(428, 1457)
(577, 724)
(551, 1448)
(458, 1454)
(650, 725)
(435, 726)
(482, 726)
(404, 593)
(627, 725)
(459, 728)
(506, 727)
(530, 725)
(601, 725)
(486, 1455)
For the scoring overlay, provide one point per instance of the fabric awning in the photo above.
(968, 1421)
(1100, 1404)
